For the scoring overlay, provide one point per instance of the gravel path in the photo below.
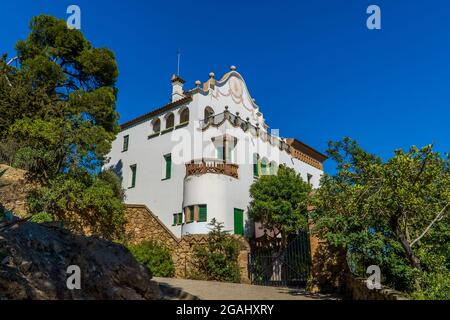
(209, 290)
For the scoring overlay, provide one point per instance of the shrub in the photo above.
(155, 257)
(218, 260)
(42, 217)
(434, 286)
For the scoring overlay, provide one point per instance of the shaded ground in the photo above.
(209, 290)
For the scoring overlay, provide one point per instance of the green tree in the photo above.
(57, 101)
(280, 202)
(390, 213)
(218, 260)
(155, 257)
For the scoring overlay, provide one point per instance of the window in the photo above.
(168, 164)
(156, 126)
(170, 121)
(177, 219)
(264, 167)
(133, 175)
(256, 165)
(273, 168)
(219, 152)
(202, 213)
(126, 140)
(196, 213)
(209, 112)
(228, 153)
(184, 116)
(309, 178)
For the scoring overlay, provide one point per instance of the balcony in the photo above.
(202, 166)
(236, 121)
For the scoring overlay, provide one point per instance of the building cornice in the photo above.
(311, 153)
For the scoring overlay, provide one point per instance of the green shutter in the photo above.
(255, 165)
(168, 159)
(133, 175)
(238, 221)
(202, 214)
(180, 218)
(191, 214)
(125, 142)
(175, 220)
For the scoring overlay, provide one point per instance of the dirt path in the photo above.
(208, 290)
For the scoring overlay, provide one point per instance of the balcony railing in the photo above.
(202, 166)
(235, 120)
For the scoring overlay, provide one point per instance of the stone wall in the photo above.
(142, 225)
(13, 195)
(356, 289)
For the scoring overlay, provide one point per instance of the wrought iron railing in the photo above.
(203, 166)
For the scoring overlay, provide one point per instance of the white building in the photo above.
(195, 158)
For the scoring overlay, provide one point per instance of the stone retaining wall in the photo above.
(356, 289)
(142, 225)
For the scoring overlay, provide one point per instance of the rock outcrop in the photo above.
(34, 259)
(13, 196)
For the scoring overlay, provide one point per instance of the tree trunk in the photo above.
(413, 259)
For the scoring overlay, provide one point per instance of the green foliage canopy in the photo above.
(280, 202)
(390, 213)
(57, 101)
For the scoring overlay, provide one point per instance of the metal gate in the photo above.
(272, 265)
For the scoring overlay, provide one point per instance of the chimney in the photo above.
(177, 88)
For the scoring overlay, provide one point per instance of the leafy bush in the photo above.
(434, 286)
(42, 217)
(155, 257)
(218, 260)
(81, 200)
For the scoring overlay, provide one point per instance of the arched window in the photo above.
(184, 115)
(156, 125)
(273, 168)
(209, 112)
(264, 168)
(170, 120)
(256, 165)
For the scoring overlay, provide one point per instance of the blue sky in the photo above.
(314, 68)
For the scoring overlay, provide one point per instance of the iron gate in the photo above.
(272, 265)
